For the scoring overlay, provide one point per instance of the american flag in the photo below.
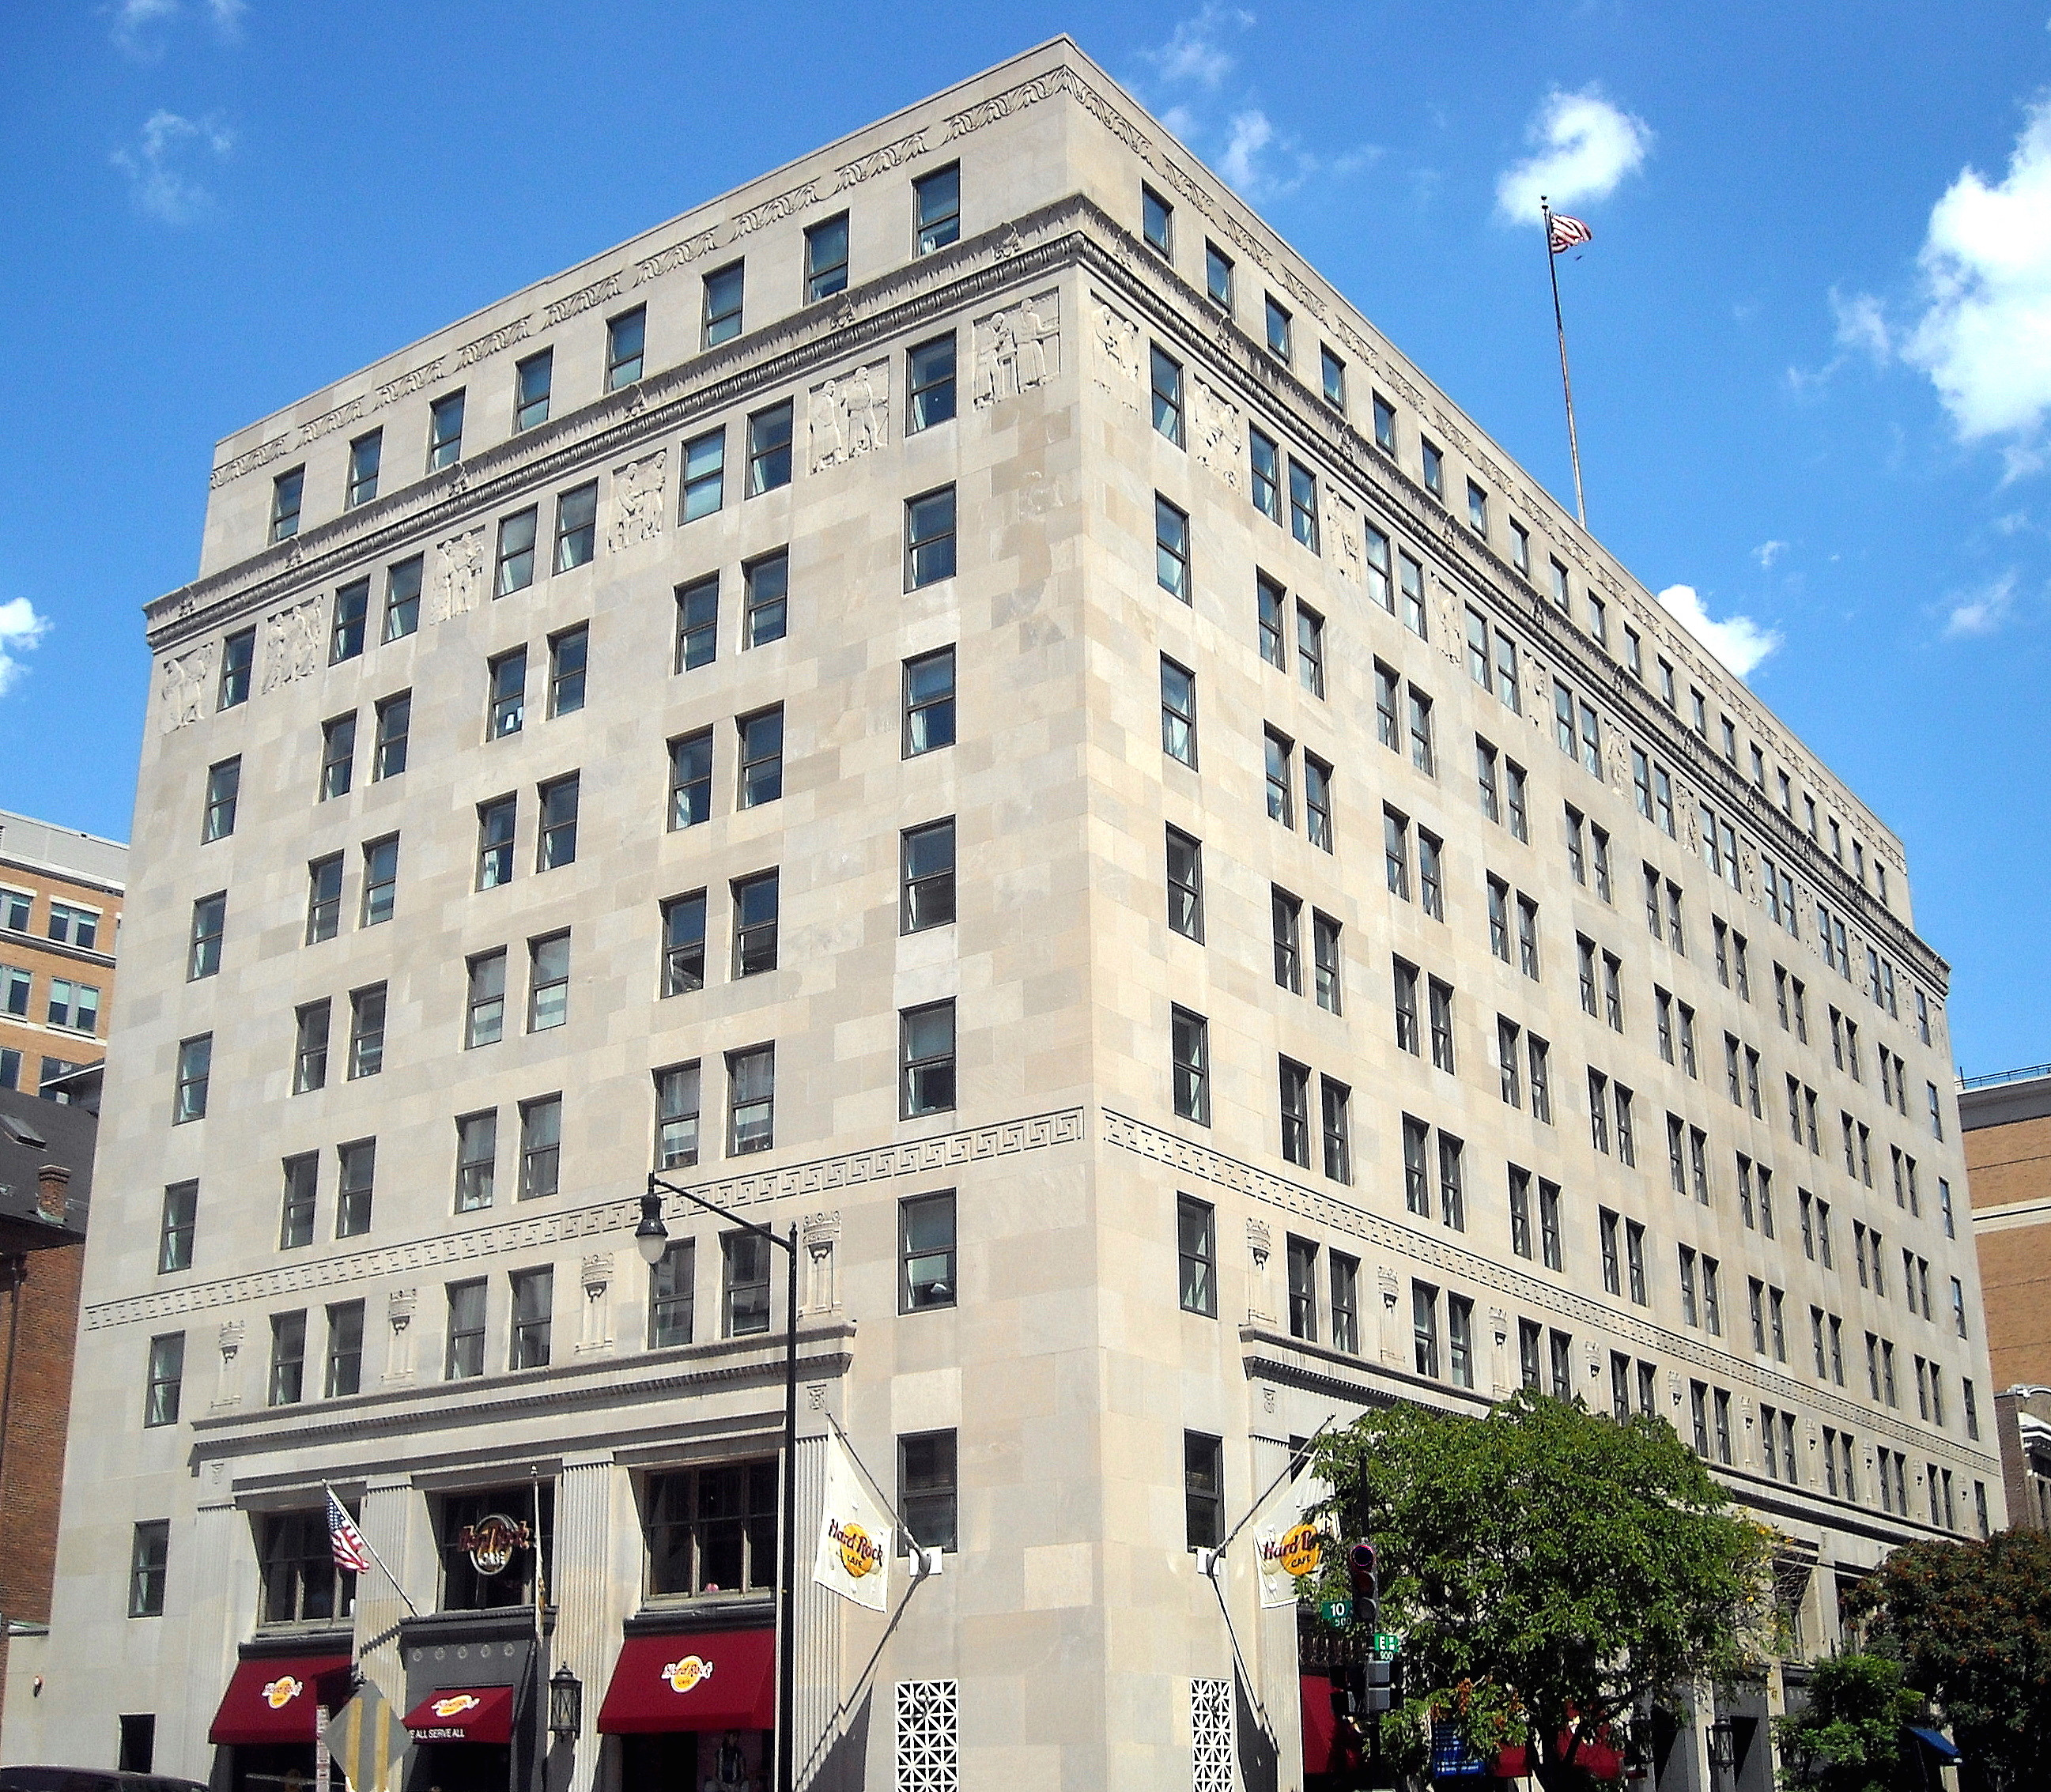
(351, 1551)
(1567, 232)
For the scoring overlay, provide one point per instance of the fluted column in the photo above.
(818, 1617)
(586, 1625)
(392, 1511)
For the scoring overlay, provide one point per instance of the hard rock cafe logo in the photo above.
(1298, 1551)
(859, 1553)
(491, 1542)
(282, 1692)
(682, 1676)
(457, 1705)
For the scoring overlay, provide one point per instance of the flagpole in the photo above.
(1566, 381)
(378, 1559)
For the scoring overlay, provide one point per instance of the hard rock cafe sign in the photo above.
(492, 1541)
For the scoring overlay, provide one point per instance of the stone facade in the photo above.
(1068, 1639)
(61, 896)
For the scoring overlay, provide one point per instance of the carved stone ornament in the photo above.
(820, 1232)
(597, 1272)
(815, 1396)
(400, 1308)
(186, 680)
(1452, 631)
(1017, 348)
(1342, 535)
(1217, 434)
(638, 490)
(230, 1337)
(850, 414)
(458, 576)
(1119, 368)
(292, 643)
(1257, 1241)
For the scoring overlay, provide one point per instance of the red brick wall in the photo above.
(36, 1422)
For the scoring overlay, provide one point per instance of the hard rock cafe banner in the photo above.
(1284, 1545)
(854, 1558)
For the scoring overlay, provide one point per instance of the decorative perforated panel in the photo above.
(1210, 1735)
(928, 1735)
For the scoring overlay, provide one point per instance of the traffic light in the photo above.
(1367, 1585)
(1363, 1689)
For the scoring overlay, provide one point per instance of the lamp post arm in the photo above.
(789, 1244)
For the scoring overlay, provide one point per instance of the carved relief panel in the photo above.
(292, 643)
(638, 490)
(458, 576)
(1119, 369)
(850, 414)
(187, 679)
(1017, 348)
(1217, 434)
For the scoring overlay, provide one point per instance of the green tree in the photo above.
(1550, 1569)
(1849, 1738)
(1971, 1622)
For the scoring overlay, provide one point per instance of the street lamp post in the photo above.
(651, 1239)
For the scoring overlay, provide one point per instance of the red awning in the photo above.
(1600, 1760)
(715, 1679)
(1329, 1746)
(271, 1699)
(464, 1714)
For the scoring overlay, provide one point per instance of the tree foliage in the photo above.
(1848, 1738)
(1549, 1568)
(1971, 1622)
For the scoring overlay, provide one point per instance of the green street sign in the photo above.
(1336, 1611)
(1387, 1642)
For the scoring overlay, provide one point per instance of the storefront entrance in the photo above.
(463, 1766)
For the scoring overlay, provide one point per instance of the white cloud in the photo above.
(1984, 337)
(1767, 553)
(1193, 52)
(137, 23)
(1251, 134)
(1585, 146)
(1983, 611)
(1861, 324)
(1739, 642)
(20, 628)
(157, 176)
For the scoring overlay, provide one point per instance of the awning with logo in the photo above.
(464, 1714)
(1600, 1760)
(272, 1698)
(710, 1679)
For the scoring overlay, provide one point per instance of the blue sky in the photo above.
(1811, 338)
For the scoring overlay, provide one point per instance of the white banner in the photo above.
(853, 1557)
(1283, 1545)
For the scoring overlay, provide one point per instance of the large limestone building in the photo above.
(1114, 809)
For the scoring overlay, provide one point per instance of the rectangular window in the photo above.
(1190, 1044)
(181, 1211)
(626, 339)
(508, 677)
(1460, 1339)
(756, 906)
(1477, 508)
(301, 1189)
(81, 1010)
(1303, 505)
(1416, 1175)
(148, 1556)
(930, 383)
(465, 1355)
(1185, 893)
(1346, 1303)
(1166, 378)
(1425, 1327)
(224, 789)
(1195, 1246)
(936, 209)
(484, 1007)
(495, 842)
(751, 1078)
(1295, 1104)
(514, 568)
(548, 982)
(926, 1252)
(698, 623)
(929, 702)
(166, 1380)
(1302, 1289)
(672, 1292)
(534, 1312)
(927, 1493)
(395, 722)
(1452, 1190)
(567, 654)
(532, 379)
(1178, 713)
(926, 1056)
(745, 1263)
(1331, 378)
(195, 1066)
(1431, 887)
(1486, 779)
(364, 454)
(1441, 997)
(825, 258)
(690, 779)
(541, 1146)
(769, 449)
(352, 606)
(476, 1160)
(761, 757)
(1421, 754)
(338, 755)
(366, 1031)
(704, 475)
(1405, 982)
(1336, 1100)
(1551, 1239)
(286, 490)
(724, 288)
(1385, 424)
(1286, 913)
(558, 832)
(929, 538)
(1218, 276)
(1156, 222)
(445, 432)
(343, 1374)
(1434, 467)
(355, 1176)
(1171, 550)
(676, 1112)
(1278, 329)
